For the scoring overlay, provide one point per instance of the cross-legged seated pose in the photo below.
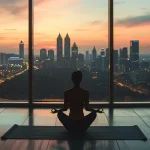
(76, 99)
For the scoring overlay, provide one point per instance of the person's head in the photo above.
(76, 78)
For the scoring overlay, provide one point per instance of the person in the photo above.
(76, 99)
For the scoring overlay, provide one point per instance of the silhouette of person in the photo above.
(76, 99)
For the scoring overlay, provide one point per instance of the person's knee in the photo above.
(94, 114)
(59, 114)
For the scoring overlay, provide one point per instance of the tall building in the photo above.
(102, 57)
(123, 59)
(102, 52)
(59, 50)
(51, 54)
(74, 55)
(107, 58)
(123, 53)
(87, 56)
(115, 57)
(43, 54)
(134, 54)
(80, 61)
(90, 57)
(21, 50)
(67, 46)
(94, 54)
(107, 53)
(3, 60)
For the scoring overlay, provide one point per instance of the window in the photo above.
(13, 51)
(70, 35)
(131, 54)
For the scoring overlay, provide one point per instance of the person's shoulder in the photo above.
(67, 91)
(85, 91)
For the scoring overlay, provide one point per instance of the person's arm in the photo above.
(65, 108)
(88, 108)
(66, 102)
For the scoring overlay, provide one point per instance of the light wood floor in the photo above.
(116, 117)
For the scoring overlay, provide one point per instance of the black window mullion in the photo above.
(111, 48)
(30, 48)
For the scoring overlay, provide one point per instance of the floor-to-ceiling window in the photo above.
(131, 51)
(13, 51)
(73, 35)
(68, 36)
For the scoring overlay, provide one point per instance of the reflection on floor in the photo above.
(116, 117)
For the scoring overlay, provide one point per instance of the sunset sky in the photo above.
(86, 22)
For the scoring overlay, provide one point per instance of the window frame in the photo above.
(110, 104)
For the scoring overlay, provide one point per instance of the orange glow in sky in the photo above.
(85, 21)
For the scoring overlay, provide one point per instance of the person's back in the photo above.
(76, 98)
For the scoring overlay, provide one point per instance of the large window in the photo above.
(13, 51)
(131, 54)
(73, 35)
(70, 35)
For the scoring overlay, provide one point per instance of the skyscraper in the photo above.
(123, 58)
(102, 52)
(94, 54)
(134, 54)
(51, 54)
(59, 49)
(3, 59)
(43, 54)
(21, 50)
(67, 46)
(87, 56)
(74, 55)
(107, 58)
(123, 53)
(115, 57)
(80, 61)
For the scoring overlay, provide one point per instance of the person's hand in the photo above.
(53, 110)
(99, 110)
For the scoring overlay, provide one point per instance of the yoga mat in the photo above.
(60, 133)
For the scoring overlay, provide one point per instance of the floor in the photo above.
(116, 117)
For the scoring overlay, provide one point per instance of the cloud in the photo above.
(95, 22)
(80, 30)
(134, 21)
(10, 29)
(2, 38)
(116, 3)
(16, 7)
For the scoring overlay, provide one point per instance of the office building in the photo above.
(21, 50)
(134, 54)
(51, 54)
(123, 59)
(80, 61)
(43, 54)
(74, 55)
(115, 57)
(15, 61)
(102, 52)
(59, 50)
(94, 54)
(123, 53)
(3, 60)
(67, 46)
(87, 56)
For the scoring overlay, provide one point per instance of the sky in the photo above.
(86, 22)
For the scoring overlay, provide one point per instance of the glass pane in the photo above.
(13, 51)
(132, 66)
(69, 36)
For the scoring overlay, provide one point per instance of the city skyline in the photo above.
(88, 19)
